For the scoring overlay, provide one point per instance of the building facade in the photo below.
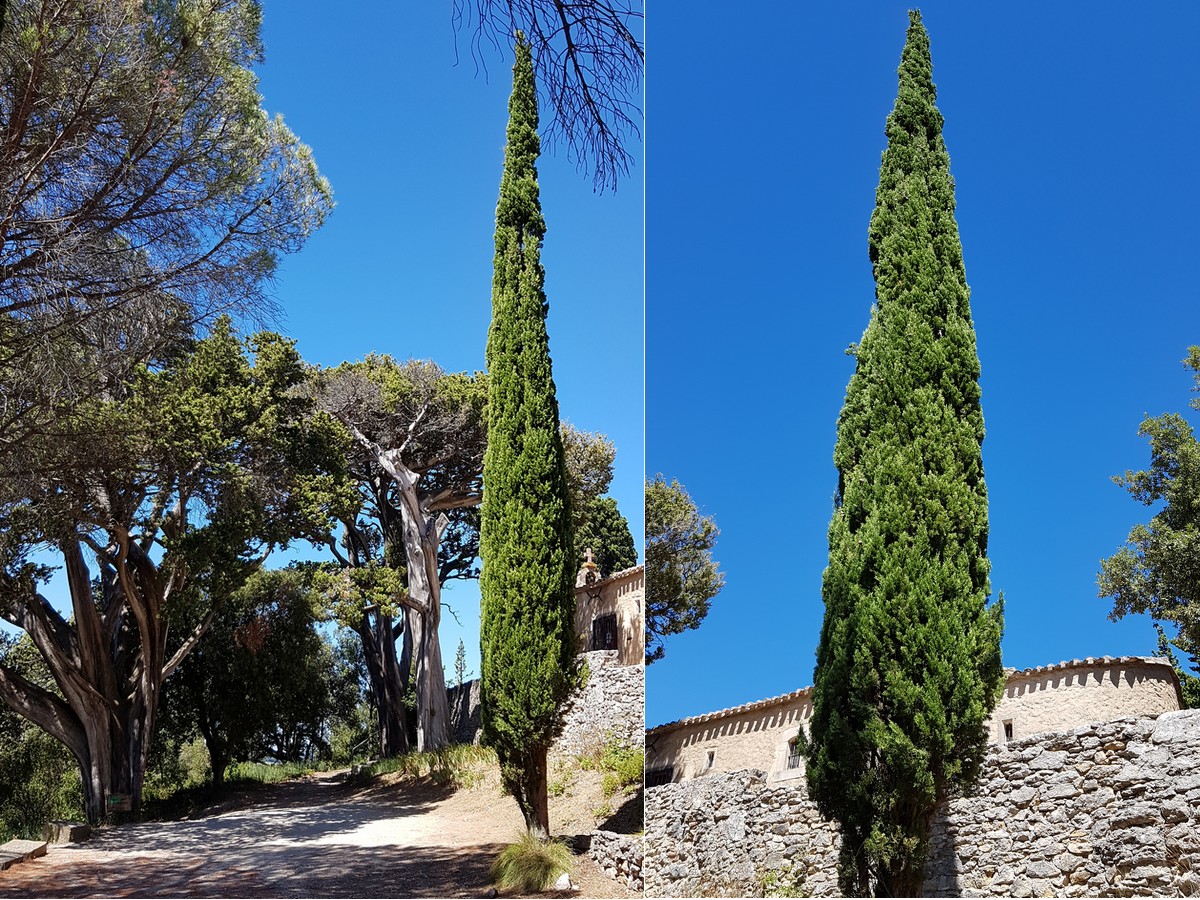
(610, 612)
(762, 735)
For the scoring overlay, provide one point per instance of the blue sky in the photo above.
(412, 140)
(1073, 144)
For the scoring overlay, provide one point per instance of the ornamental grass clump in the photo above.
(531, 864)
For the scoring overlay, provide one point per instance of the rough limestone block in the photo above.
(61, 832)
(19, 851)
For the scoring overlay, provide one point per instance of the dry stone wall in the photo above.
(619, 856)
(1110, 809)
(609, 707)
(721, 834)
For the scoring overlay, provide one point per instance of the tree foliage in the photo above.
(908, 665)
(191, 189)
(139, 169)
(176, 481)
(416, 456)
(527, 634)
(1157, 571)
(259, 684)
(606, 533)
(588, 59)
(681, 575)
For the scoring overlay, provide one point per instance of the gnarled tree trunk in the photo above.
(108, 666)
(422, 530)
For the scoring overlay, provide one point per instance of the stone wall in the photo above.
(610, 706)
(465, 724)
(1110, 809)
(719, 835)
(619, 856)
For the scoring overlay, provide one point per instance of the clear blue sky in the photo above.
(412, 140)
(1073, 135)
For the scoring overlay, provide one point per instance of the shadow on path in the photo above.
(301, 839)
(333, 870)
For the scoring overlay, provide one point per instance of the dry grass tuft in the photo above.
(531, 865)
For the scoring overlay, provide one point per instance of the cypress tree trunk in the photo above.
(908, 665)
(527, 583)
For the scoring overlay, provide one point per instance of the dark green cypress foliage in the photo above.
(909, 661)
(527, 631)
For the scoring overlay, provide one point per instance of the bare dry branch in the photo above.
(588, 59)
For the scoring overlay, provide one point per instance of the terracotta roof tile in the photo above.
(803, 693)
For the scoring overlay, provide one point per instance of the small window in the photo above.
(604, 632)
(1008, 732)
(660, 775)
(712, 757)
(793, 757)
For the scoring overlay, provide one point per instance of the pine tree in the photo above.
(527, 583)
(606, 533)
(908, 665)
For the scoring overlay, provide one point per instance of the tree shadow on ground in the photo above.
(285, 815)
(331, 870)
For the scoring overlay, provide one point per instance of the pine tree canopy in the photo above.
(606, 533)
(908, 665)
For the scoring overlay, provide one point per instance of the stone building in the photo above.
(762, 735)
(610, 612)
(610, 626)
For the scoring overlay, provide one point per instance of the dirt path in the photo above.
(313, 837)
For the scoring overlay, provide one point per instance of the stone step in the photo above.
(19, 851)
(62, 832)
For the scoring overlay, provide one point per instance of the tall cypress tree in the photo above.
(909, 661)
(527, 632)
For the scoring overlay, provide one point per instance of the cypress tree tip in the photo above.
(914, 17)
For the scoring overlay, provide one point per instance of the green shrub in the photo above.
(193, 763)
(625, 763)
(610, 783)
(531, 865)
(265, 773)
(785, 882)
(622, 767)
(39, 781)
(558, 786)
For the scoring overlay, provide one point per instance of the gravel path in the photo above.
(311, 837)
